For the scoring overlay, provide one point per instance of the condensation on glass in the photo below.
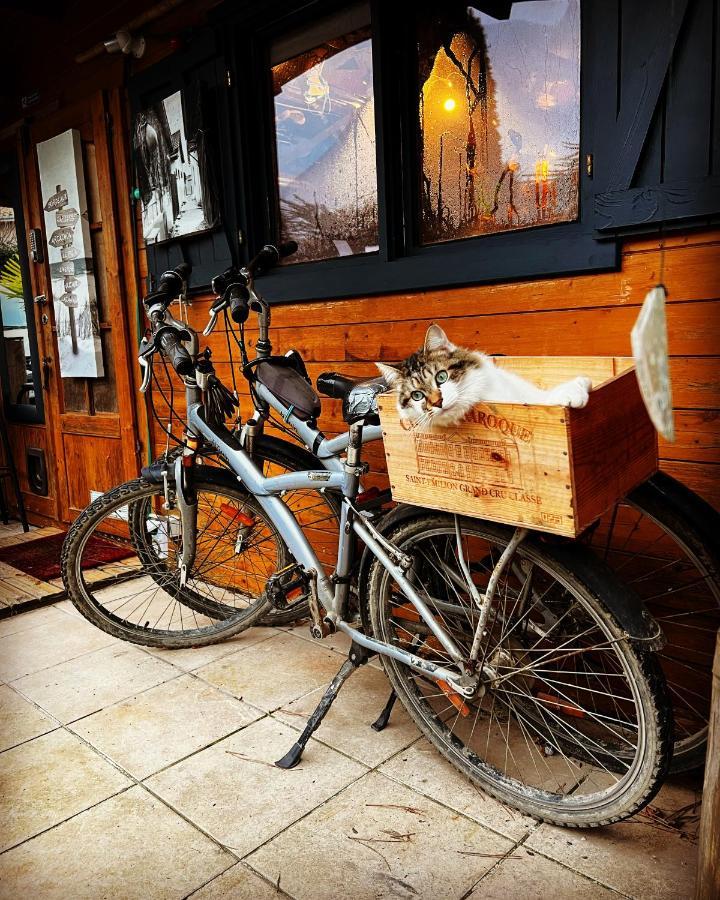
(16, 336)
(325, 135)
(499, 119)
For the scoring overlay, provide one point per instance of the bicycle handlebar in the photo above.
(270, 256)
(170, 285)
(178, 356)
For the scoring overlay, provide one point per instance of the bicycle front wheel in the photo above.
(126, 580)
(571, 723)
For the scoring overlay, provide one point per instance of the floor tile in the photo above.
(20, 720)
(274, 672)
(238, 883)
(347, 725)
(131, 846)
(529, 876)
(23, 621)
(423, 769)
(379, 839)
(638, 857)
(67, 606)
(92, 681)
(233, 791)
(194, 657)
(48, 780)
(47, 645)
(166, 723)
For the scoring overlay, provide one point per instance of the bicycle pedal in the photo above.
(283, 589)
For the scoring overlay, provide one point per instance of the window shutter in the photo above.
(653, 145)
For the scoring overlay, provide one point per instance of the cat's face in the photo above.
(432, 383)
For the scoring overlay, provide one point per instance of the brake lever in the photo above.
(145, 358)
(146, 364)
(210, 327)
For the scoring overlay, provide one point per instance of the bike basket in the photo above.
(550, 468)
(281, 378)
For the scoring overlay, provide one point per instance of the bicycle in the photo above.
(665, 531)
(532, 671)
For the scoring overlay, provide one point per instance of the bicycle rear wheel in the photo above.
(127, 580)
(573, 725)
(664, 541)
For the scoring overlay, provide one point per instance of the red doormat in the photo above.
(41, 558)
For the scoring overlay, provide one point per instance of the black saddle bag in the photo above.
(280, 375)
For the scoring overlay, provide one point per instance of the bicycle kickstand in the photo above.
(382, 720)
(358, 657)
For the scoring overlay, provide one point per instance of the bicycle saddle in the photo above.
(359, 395)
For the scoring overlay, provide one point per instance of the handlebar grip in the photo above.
(239, 303)
(179, 358)
(270, 256)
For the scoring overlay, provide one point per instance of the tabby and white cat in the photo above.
(440, 383)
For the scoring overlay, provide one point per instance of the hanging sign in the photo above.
(62, 184)
(650, 349)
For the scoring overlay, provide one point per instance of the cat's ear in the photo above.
(436, 339)
(390, 373)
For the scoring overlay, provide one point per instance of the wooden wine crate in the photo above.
(551, 468)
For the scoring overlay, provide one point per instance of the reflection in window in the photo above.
(499, 108)
(16, 338)
(325, 132)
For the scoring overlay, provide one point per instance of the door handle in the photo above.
(46, 371)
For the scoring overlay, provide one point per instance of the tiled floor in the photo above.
(135, 773)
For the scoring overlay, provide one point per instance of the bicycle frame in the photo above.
(267, 491)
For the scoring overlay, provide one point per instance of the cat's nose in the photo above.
(438, 403)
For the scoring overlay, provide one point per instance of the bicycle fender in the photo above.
(622, 601)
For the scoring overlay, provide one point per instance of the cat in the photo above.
(440, 383)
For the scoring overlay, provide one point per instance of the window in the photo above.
(498, 119)
(407, 146)
(325, 142)
(18, 359)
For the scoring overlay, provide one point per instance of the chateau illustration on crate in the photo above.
(62, 184)
(548, 467)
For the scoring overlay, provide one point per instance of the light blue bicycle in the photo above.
(523, 660)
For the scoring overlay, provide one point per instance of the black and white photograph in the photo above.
(173, 169)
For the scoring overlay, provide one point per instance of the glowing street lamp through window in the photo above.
(499, 117)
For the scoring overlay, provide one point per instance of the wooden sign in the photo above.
(62, 237)
(650, 349)
(62, 184)
(67, 217)
(58, 199)
(547, 467)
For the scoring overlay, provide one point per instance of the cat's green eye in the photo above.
(417, 395)
(441, 377)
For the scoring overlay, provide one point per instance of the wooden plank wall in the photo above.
(583, 315)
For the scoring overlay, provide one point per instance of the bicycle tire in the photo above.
(635, 670)
(275, 456)
(130, 603)
(685, 599)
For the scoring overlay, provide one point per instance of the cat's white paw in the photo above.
(575, 393)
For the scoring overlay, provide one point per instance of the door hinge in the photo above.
(589, 165)
(228, 78)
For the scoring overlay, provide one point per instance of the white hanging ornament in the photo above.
(650, 350)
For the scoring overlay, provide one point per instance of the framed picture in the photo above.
(67, 230)
(177, 192)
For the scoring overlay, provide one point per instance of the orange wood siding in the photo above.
(582, 315)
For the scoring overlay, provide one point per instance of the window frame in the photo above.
(402, 263)
(29, 413)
